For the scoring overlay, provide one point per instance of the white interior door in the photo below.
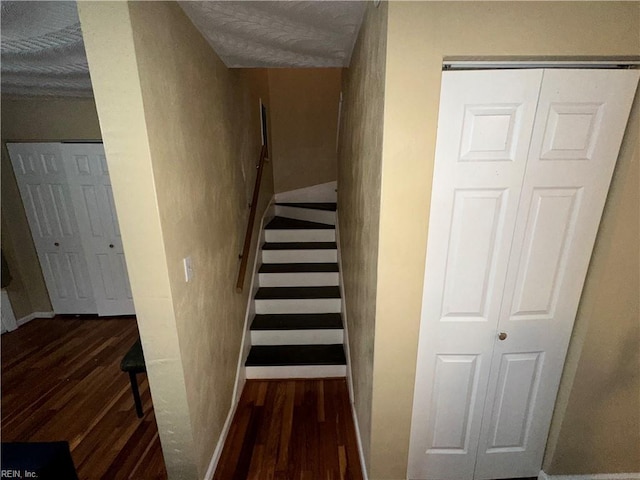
(482, 405)
(484, 132)
(41, 178)
(92, 196)
(579, 126)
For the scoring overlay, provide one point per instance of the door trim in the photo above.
(594, 476)
(488, 64)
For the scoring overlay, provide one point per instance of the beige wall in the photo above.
(597, 416)
(179, 129)
(359, 168)
(419, 35)
(304, 122)
(34, 119)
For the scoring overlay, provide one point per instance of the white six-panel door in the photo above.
(516, 204)
(90, 186)
(41, 178)
(66, 192)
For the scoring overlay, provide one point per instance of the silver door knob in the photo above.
(502, 336)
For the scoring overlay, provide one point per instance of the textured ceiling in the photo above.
(316, 33)
(42, 51)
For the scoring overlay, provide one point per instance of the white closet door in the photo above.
(484, 130)
(45, 194)
(577, 133)
(92, 196)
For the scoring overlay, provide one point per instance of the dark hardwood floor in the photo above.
(291, 430)
(61, 380)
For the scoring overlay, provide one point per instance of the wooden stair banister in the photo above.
(244, 257)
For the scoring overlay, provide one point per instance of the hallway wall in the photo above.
(182, 136)
(34, 119)
(359, 183)
(420, 35)
(304, 120)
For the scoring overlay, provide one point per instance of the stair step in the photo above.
(300, 246)
(299, 279)
(310, 321)
(297, 293)
(285, 355)
(300, 235)
(297, 337)
(283, 223)
(330, 207)
(307, 299)
(298, 274)
(298, 267)
(321, 216)
(300, 329)
(300, 256)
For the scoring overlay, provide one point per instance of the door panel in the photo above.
(478, 218)
(93, 197)
(489, 132)
(455, 378)
(518, 381)
(575, 142)
(42, 182)
(551, 227)
(481, 151)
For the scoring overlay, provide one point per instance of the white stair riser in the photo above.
(302, 279)
(297, 371)
(299, 256)
(297, 337)
(308, 305)
(322, 193)
(300, 235)
(308, 214)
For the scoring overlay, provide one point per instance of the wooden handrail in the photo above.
(244, 257)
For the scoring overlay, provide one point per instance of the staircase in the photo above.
(297, 328)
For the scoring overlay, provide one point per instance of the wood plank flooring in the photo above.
(61, 380)
(291, 430)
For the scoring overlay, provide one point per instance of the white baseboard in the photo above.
(9, 322)
(324, 192)
(347, 352)
(268, 214)
(221, 441)
(593, 476)
(34, 315)
(360, 451)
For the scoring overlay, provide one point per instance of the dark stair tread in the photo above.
(327, 206)
(283, 223)
(280, 355)
(297, 321)
(300, 246)
(298, 267)
(297, 293)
